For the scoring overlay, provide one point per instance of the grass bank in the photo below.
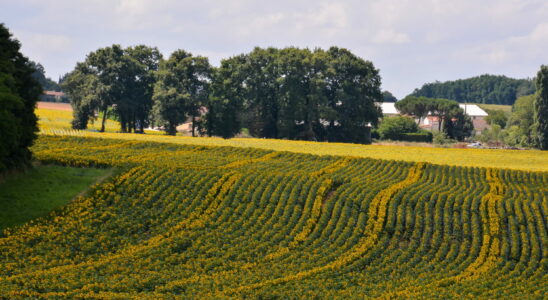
(33, 194)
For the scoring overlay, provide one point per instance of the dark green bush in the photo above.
(392, 128)
(423, 136)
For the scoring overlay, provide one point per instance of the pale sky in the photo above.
(411, 41)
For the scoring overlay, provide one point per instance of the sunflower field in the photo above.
(199, 221)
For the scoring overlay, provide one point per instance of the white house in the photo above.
(431, 122)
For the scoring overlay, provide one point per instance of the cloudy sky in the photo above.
(411, 41)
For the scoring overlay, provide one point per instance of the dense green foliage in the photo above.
(286, 93)
(184, 221)
(489, 89)
(393, 128)
(182, 87)
(114, 78)
(423, 136)
(40, 75)
(518, 130)
(388, 97)
(452, 120)
(296, 94)
(19, 92)
(496, 117)
(401, 128)
(541, 108)
(35, 193)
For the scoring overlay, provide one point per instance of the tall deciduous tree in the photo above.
(142, 63)
(541, 108)
(226, 103)
(19, 92)
(112, 77)
(352, 88)
(182, 87)
(80, 85)
(299, 94)
(521, 120)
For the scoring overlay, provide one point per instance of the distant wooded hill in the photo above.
(488, 89)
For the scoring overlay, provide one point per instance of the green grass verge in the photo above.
(33, 194)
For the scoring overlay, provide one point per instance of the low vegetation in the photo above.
(25, 196)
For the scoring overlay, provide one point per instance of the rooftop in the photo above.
(473, 110)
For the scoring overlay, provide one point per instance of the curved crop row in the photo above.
(185, 221)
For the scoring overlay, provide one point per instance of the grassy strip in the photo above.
(33, 194)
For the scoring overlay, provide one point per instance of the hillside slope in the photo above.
(196, 221)
(487, 89)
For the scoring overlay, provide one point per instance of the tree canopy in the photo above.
(393, 128)
(117, 79)
(388, 97)
(488, 89)
(182, 87)
(452, 119)
(40, 75)
(19, 92)
(541, 108)
(296, 94)
(286, 93)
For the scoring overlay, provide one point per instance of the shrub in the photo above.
(422, 136)
(393, 128)
(440, 138)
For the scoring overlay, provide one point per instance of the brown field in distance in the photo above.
(54, 105)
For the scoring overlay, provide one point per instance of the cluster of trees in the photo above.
(452, 119)
(527, 124)
(388, 97)
(19, 92)
(114, 80)
(275, 93)
(403, 128)
(40, 75)
(488, 89)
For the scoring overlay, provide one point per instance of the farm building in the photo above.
(53, 96)
(431, 122)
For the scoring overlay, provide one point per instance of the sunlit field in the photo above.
(58, 123)
(194, 221)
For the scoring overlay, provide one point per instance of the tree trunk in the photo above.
(171, 129)
(104, 119)
(193, 124)
(141, 126)
(439, 123)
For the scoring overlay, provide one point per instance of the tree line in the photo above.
(487, 89)
(292, 93)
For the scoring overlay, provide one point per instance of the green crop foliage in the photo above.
(195, 221)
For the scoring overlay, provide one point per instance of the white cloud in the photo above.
(326, 15)
(411, 41)
(40, 46)
(390, 37)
